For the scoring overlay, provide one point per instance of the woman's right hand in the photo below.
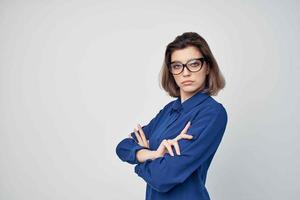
(166, 145)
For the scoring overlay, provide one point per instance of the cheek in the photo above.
(177, 79)
(200, 74)
(200, 77)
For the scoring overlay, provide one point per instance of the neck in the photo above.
(186, 95)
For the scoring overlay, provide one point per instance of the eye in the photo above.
(195, 64)
(176, 66)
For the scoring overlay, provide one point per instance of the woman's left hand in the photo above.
(140, 135)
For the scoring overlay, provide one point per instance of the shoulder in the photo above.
(210, 119)
(212, 109)
(215, 106)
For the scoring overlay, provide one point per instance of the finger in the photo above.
(186, 127)
(176, 146)
(178, 137)
(143, 137)
(161, 145)
(161, 149)
(183, 136)
(138, 136)
(129, 135)
(169, 148)
(142, 134)
(186, 136)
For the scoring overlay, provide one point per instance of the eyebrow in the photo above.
(175, 61)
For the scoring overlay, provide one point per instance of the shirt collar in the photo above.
(189, 103)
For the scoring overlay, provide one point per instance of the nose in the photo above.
(186, 72)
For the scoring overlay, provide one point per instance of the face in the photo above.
(197, 78)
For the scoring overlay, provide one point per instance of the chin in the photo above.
(190, 88)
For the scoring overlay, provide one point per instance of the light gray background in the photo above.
(77, 76)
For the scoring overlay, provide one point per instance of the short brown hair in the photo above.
(214, 80)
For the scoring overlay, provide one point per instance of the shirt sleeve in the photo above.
(207, 130)
(127, 148)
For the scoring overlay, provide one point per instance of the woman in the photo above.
(193, 123)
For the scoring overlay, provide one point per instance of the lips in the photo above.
(186, 82)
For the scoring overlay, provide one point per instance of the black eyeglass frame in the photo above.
(202, 59)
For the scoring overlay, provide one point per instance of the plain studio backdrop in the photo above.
(77, 76)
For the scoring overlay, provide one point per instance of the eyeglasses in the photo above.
(193, 65)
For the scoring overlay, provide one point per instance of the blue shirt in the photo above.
(182, 176)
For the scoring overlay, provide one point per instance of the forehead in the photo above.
(183, 55)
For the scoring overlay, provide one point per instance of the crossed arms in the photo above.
(164, 171)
